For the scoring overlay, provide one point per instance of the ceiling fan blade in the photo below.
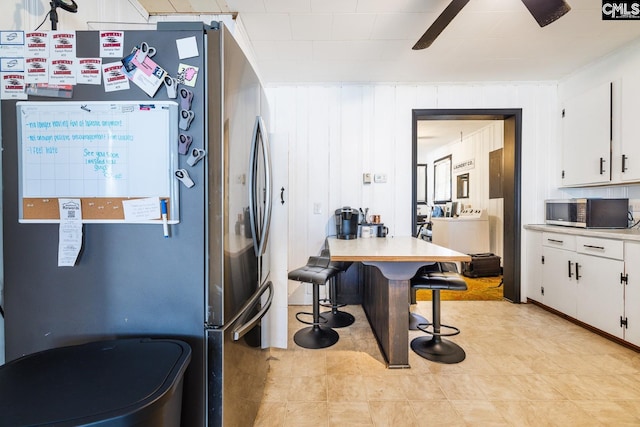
(440, 24)
(546, 11)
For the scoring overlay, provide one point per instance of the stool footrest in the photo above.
(321, 319)
(424, 328)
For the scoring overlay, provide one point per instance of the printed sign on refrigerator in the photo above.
(37, 44)
(111, 44)
(62, 71)
(37, 70)
(114, 77)
(13, 86)
(12, 43)
(63, 45)
(89, 71)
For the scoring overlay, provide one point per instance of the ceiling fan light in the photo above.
(547, 11)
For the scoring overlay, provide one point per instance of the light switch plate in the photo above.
(380, 177)
(366, 178)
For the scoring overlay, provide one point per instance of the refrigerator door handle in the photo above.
(239, 331)
(259, 145)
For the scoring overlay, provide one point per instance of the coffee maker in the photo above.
(347, 223)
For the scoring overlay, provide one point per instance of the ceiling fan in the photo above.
(544, 11)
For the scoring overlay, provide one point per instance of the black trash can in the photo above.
(127, 382)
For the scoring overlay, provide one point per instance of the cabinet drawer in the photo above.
(605, 248)
(560, 241)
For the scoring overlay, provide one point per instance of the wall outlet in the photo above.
(634, 205)
(317, 208)
(380, 177)
(366, 178)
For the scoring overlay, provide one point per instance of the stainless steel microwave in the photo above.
(588, 213)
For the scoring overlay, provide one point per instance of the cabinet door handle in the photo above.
(602, 160)
(569, 265)
(624, 163)
(577, 272)
(555, 241)
(594, 247)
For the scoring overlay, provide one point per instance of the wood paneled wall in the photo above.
(338, 132)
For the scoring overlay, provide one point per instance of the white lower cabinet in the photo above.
(632, 292)
(588, 279)
(558, 278)
(600, 291)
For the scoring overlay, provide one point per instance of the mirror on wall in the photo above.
(442, 180)
(421, 183)
(462, 186)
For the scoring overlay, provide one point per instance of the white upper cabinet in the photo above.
(586, 138)
(628, 163)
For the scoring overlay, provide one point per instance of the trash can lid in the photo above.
(91, 382)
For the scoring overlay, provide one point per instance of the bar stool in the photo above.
(336, 318)
(317, 271)
(435, 347)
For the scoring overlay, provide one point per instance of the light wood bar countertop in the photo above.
(391, 249)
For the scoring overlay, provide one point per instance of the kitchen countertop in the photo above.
(607, 233)
(391, 249)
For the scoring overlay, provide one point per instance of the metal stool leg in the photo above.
(436, 348)
(336, 318)
(315, 336)
(414, 318)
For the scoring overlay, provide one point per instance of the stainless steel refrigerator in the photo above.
(207, 284)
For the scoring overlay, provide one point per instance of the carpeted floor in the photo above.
(479, 289)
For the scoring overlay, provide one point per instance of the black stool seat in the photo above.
(435, 348)
(317, 271)
(441, 280)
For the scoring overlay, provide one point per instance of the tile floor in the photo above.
(524, 367)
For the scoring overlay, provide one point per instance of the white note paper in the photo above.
(141, 209)
(70, 233)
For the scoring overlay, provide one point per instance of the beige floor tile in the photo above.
(277, 389)
(479, 413)
(436, 413)
(346, 388)
(343, 362)
(460, 387)
(308, 389)
(518, 412)
(382, 387)
(312, 414)
(271, 414)
(421, 387)
(563, 413)
(608, 412)
(498, 387)
(349, 414)
(392, 414)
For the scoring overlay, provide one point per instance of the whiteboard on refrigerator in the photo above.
(100, 152)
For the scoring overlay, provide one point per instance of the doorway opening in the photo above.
(511, 182)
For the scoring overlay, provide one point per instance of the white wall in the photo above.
(337, 132)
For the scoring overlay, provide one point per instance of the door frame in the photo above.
(512, 119)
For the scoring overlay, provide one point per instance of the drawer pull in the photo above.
(555, 241)
(594, 247)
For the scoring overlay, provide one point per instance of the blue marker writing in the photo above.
(165, 225)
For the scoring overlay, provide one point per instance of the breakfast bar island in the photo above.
(390, 263)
